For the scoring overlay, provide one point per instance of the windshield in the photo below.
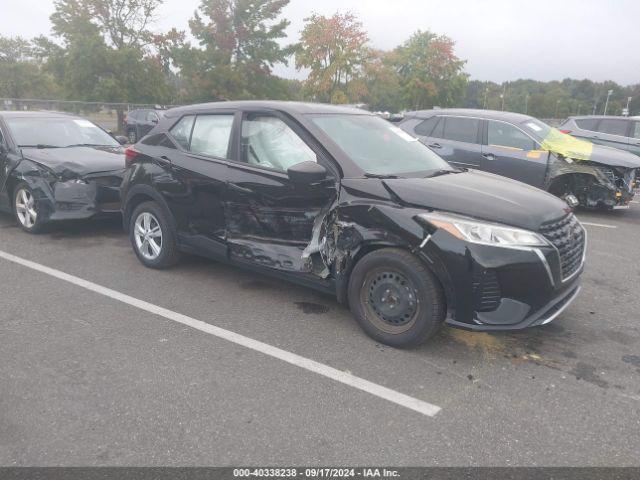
(555, 141)
(377, 146)
(57, 132)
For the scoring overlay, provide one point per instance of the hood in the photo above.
(77, 161)
(483, 196)
(614, 157)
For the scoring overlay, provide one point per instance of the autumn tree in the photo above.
(430, 72)
(334, 49)
(21, 71)
(238, 45)
(382, 82)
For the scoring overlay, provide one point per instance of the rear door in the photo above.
(4, 167)
(269, 218)
(457, 140)
(510, 152)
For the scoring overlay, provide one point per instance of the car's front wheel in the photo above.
(395, 298)
(152, 236)
(26, 209)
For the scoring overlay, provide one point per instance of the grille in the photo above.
(486, 290)
(568, 236)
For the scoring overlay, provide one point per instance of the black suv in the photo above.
(139, 122)
(345, 202)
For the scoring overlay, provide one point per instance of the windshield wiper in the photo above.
(379, 175)
(88, 145)
(437, 173)
(39, 145)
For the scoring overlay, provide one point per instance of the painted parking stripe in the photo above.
(597, 225)
(264, 348)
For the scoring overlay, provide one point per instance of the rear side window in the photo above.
(269, 142)
(613, 126)
(181, 131)
(211, 135)
(501, 134)
(587, 123)
(151, 116)
(425, 127)
(461, 129)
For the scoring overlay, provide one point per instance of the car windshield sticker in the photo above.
(84, 123)
(534, 127)
(402, 134)
(567, 146)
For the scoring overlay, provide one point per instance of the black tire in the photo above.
(37, 226)
(389, 278)
(168, 254)
(132, 136)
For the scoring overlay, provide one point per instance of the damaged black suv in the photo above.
(342, 201)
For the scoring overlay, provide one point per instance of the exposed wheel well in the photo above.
(132, 203)
(11, 185)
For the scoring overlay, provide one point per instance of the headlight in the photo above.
(484, 233)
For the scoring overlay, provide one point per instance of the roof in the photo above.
(471, 112)
(287, 107)
(34, 114)
(616, 117)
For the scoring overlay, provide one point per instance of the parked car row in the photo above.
(329, 197)
(526, 149)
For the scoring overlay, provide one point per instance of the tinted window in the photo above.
(426, 127)
(211, 135)
(501, 134)
(461, 129)
(269, 142)
(613, 126)
(438, 132)
(181, 131)
(377, 146)
(636, 130)
(587, 123)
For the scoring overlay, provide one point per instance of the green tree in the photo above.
(430, 72)
(334, 49)
(238, 45)
(21, 71)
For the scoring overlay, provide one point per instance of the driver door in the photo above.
(269, 218)
(509, 152)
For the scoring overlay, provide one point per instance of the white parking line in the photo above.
(291, 358)
(597, 225)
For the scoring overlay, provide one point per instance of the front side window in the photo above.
(613, 126)
(587, 123)
(211, 135)
(181, 131)
(425, 127)
(460, 129)
(501, 134)
(269, 142)
(377, 146)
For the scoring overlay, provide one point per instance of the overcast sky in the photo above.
(500, 39)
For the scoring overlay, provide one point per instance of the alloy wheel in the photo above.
(26, 208)
(148, 236)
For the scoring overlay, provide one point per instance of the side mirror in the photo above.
(121, 139)
(307, 172)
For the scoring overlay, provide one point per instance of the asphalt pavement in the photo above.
(87, 378)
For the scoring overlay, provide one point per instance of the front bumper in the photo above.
(93, 195)
(491, 288)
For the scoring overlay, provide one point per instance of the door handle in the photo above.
(489, 156)
(435, 145)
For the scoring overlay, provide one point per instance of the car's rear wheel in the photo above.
(152, 236)
(395, 298)
(131, 135)
(26, 209)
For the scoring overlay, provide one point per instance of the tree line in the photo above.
(109, 51)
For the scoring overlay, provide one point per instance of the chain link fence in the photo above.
(109, 116)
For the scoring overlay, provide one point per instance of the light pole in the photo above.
(606, 104)
(557, 105)
(526, 103)
(628, 100)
